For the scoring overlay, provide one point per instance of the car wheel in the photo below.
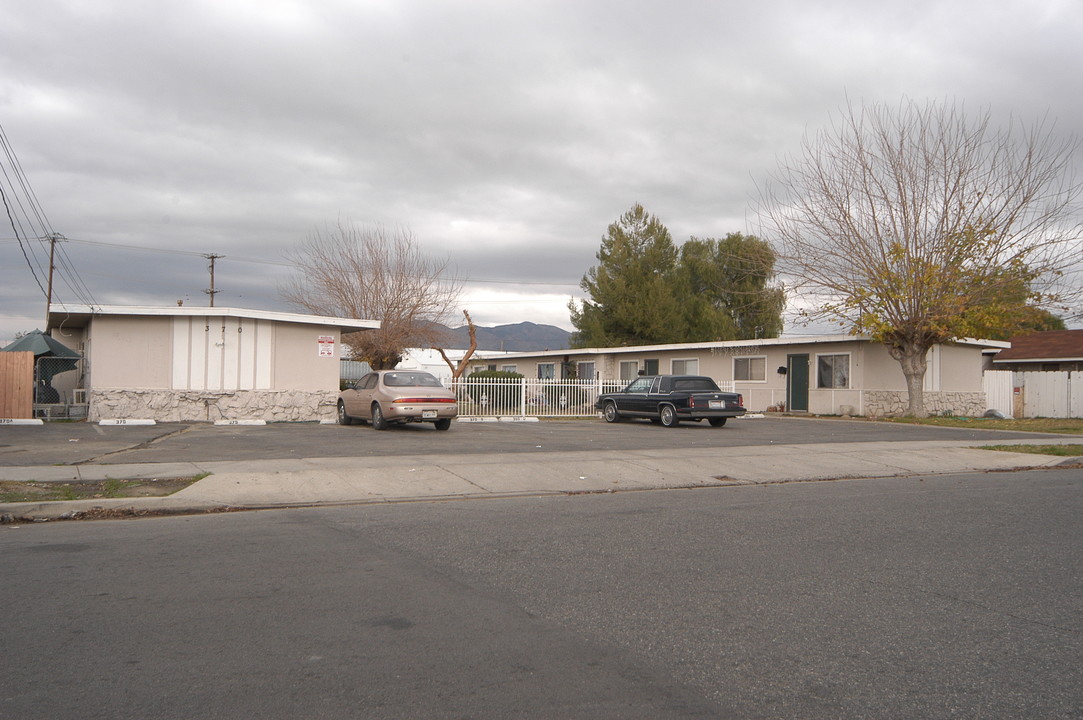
(610, 413)
(443, 424)
(343, 418)
(717, 422)
(379, 422)
(668, 416)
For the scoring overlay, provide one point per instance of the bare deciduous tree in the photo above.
(371, 273)
(916, 225)
(458, 369)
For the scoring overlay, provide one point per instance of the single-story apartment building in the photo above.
(829, 374)
(184, 363)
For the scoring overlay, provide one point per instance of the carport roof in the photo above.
(79, 315)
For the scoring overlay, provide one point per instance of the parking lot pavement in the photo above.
(88, 443)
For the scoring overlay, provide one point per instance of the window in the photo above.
(699, 384)
(685, 367)
(750, 369)
(628, 369)
(640, 385)
(508, 368)
(546, 371)
(833, 371)
(650, 367)
(584, 370)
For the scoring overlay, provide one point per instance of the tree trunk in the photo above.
(456, 372)
(913, 360)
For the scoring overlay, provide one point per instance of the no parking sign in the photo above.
(326, 344)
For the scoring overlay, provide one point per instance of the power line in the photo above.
(21, 246)
(39, 227)
(286, 264)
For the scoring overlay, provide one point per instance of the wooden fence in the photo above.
(16, 385)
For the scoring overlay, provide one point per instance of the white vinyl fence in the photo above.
(1041, 394)
(1051, 394)
(519, 397)
(998, 391)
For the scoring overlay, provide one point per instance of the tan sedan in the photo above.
(388, 397)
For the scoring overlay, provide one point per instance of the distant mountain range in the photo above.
(521, 337)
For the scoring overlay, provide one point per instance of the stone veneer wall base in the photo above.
(888, 403)
(207, 406)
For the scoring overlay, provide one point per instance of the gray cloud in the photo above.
(505, 135)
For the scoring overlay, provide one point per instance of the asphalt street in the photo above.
(949, 596)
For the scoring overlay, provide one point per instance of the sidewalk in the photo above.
(337, 481)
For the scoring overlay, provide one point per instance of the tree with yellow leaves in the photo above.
(916, 225)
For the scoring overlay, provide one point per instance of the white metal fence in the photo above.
(517, 397)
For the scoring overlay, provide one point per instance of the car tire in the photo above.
(667, 415)
(610, 412)
(717, 422)
(343, 418)
(443, 424)
(379, 422)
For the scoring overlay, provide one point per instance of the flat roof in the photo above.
(718, 344)
(79, 315)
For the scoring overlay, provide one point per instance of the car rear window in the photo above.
(695, 385)
(411, 379)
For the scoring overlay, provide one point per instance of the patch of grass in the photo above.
(1072, 450)
(1064, 426)
(113, 488)
(14, 492)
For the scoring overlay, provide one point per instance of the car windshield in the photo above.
(411, 379)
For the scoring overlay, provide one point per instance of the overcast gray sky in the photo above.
(506, 135)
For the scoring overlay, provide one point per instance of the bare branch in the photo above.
(372, 273)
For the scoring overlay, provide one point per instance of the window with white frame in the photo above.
(508, 368)
(628, 370)
(689, 366)
(584, 370)
(833, 371)
(750, 369)
(546, 371)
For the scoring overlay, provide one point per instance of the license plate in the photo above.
(717, 405)
(428, 414)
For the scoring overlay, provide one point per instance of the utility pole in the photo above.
(52, 237)
(212, 257)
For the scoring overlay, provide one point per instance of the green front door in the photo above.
(797, 383)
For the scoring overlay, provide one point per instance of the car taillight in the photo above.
(741, 400)
(416, 400)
